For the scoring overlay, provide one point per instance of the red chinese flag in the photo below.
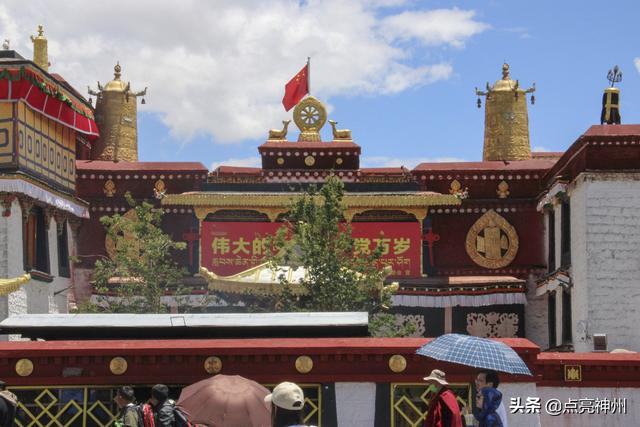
(296, 89)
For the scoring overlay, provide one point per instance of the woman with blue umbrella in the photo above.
(476, 352)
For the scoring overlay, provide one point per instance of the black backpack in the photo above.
(180, 418)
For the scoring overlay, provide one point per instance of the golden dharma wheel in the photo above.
(24, 367)
(304, 364)
(118, 365)
(309, 160)
(397, 363)
(310, 114)
(213, 365)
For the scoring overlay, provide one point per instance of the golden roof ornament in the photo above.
(309, 115)
(506, 135)
(611, 99)
(40, 49)
(116, 117)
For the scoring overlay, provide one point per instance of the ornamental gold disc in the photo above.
(304, 364)
(24, 367)
(213, 365)
(492, 242)
(397, 363)
(118, 365)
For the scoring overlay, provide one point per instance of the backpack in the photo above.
(180, 418)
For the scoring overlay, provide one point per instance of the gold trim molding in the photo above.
(274, 204)
(492, 242)
(8, 286)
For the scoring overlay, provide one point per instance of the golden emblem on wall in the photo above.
(397, 363)
(24, 367)
(492, 242)
(455, 187)
(109, 188)
(304, 364)
(572, 372)
(503, 190)
(118, 365)
(309, 160)
(309, 115)
(213, 365)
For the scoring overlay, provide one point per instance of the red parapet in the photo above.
(264, 360)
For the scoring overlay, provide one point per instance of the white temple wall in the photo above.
(605, 214)
(564, 394)
(356, 404)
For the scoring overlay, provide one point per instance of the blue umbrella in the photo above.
(477, 352)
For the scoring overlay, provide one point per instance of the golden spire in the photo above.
(116, 117)
(117, 71)
(40, 50)
(506, 132)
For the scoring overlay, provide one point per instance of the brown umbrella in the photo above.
(226, 401)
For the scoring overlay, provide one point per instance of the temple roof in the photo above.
(515, 165)
(111, 166)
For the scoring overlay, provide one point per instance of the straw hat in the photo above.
(436, 376)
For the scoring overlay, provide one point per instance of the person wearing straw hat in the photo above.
(444, 410)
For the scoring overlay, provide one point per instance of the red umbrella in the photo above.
(226, 401)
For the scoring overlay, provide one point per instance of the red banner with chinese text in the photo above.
(232, 247)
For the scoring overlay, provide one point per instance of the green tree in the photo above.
(135, 277)
(337, 278)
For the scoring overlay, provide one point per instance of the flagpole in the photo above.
(309, 75)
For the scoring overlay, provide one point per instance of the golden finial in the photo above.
(505, 71)
(40, 49)
(117, 71)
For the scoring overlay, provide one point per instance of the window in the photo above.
(36, 246)
(565, 229)
(551, 312)
(566, 317)
(551, 261)
(63, 252)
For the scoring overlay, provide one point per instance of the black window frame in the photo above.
(63, 252)
(551, 244)
(551, 319)
(565, 236)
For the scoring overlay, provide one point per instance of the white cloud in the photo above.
(433, 27)
(637, 62)
(408, 162)
(540, 149)
(249, 162)
(219, 68)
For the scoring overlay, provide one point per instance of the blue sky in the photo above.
(214, 91)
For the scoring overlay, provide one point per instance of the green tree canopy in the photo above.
(134, 278)
(317, 237)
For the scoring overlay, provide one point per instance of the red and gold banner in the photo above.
(231, 247)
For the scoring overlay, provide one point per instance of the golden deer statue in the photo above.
(342, 134)
(279, 134)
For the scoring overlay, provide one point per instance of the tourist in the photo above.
(125, 399)
(8, 404)
(489, 378)
(488, 401)
(444, 410)
(287, 402)
(158, 412)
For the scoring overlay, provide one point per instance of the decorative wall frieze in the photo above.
(7, 199)
(479, 176)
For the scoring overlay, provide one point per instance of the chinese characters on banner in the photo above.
(232, 247)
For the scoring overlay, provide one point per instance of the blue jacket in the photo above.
(491, 400)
